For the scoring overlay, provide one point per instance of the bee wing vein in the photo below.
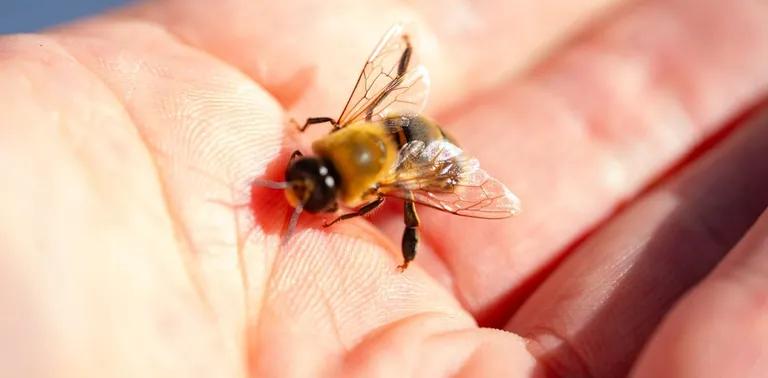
(439, 175)
(380, 90)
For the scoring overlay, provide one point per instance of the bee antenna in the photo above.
(292, 223)
(270, 184)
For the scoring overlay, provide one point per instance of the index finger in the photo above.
(310, 52)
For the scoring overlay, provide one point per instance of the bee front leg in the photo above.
(365, 209)
(294, 155)
(315, 120)
(410, 235)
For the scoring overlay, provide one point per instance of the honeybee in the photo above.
(381, 147)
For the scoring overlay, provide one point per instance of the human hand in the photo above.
(124, 134)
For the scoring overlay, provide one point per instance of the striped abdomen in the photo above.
(405, 128)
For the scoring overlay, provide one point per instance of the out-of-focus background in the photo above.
(18, 16)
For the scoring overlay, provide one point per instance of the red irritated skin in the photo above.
(124, 130)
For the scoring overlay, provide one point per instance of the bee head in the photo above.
(313, 183)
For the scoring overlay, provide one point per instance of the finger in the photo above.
(718, 329)
(606, 299)
(589, 129)
(312, 51)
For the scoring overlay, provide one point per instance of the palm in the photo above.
(137, 149)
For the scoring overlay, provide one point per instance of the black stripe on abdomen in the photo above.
(406, 128)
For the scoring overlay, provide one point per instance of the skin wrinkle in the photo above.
(572, 365)
(464, 369)
(343, 282)
(459, 370)
(242, 241)
(755, 296)
(373, 340)
(705, 227)
(256, 326)
(241, 260)
(329, 308)
(746, 272)
(746, 264)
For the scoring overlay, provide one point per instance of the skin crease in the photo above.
(131, 240)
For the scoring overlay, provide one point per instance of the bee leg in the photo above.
(294, 155)
(410, 236)
(315, 120)
(365, 209)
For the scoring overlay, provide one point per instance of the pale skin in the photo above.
(128, 142)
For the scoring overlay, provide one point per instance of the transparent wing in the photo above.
(407, 95)
(386, 84)
(440, 175)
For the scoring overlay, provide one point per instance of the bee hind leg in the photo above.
(365, 209)
(410, 235)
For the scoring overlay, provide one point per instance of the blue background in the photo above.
(29, 15)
